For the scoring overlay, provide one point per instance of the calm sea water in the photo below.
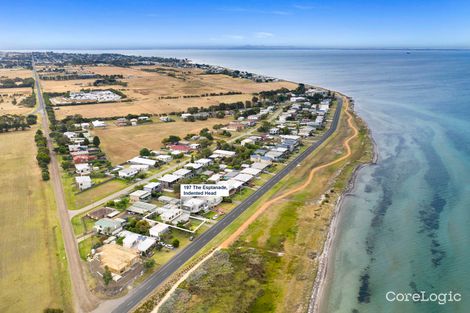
(406, 227)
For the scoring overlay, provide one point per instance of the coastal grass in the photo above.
(34, 267)
(289, 235)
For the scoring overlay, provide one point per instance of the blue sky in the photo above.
(87, 24)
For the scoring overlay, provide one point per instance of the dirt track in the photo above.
(267, 204)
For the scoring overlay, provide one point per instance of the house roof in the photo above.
(138, 160)
(83, 179)
(181, 172)
(169, 178)
(243, 177)
(251, 171)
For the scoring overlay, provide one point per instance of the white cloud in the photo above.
(263, 35)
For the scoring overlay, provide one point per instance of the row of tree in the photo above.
(9, 122)
(42, 156)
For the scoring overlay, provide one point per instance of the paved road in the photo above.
(82, 297)
(142, 291)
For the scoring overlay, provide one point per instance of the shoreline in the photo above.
(317, 297)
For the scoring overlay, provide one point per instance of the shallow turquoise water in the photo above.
(407, 225)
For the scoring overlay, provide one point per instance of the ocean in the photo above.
(406, 226)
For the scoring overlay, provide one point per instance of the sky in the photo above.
(137, 24)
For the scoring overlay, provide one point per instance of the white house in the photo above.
(141, 208)
(142, 161)
(204, 162)
(251, 171)
(183, 173)
(98, 123)
(195, 205)
(140, 195)
(128, 172)
(158, 230)
(153, 187)
(140, 167)
(169, 180)
(82, 169)
(196, 167)
(83, 182)
(164, 158)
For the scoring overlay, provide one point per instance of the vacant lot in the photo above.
(7, 98)
(15, 72)
(33, 269)
(147, 90)
(122, 143)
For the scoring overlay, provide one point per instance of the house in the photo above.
(107, 226)
(274, 131)
(164, 158)
(244, 178)
(141, 208)
(83, 158)
(186, 116)
(76, 148)
(261, 165)
(214, 178)
(140, 195)
(165, 119)
(235, 126)
(101, 213)
(70, 135)
(195, 205)
(204, 162)
(82, 169)
(98, 124)
(128, 173)
(247, 141)
(168, 181)
(195, 167)
(142, 161)
(83, 182)
(222, 154)
(230, 174)
(158, 230)
(116, 258)
(251, 171)
(121, 122)
(274, 155)
(142, 243)
(260, 158)
(171, 214)
(183, 173)
(179, 148)
(232, 185)
(140, 167)
(169, 200)
(153, 187)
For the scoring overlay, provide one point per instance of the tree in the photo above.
(107, 276)
(149, 263)
(175, 243)
(145, 152)
(96, 141)
(171, 139)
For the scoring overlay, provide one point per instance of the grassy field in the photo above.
(7, 95)
(78, 201)
(272, 266)
(34, 272)
(122, 143)
(147, 89)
